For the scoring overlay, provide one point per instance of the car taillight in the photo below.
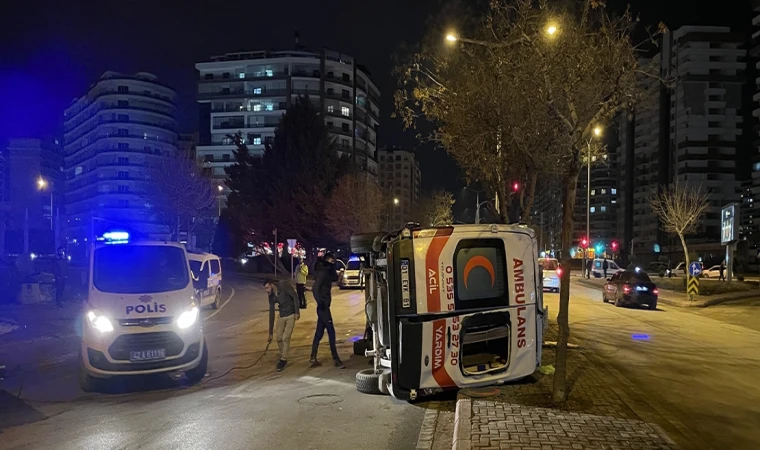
(626, 289)
(559, 271)
(655, 291)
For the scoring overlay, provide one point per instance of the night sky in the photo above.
(51, 51)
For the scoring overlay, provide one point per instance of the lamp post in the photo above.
(43, 184)
(219, 188)
(597, 133)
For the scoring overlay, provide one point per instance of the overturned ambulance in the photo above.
(450, 307)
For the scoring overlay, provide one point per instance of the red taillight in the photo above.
(559, 271)
(626, 289)
(655, 291)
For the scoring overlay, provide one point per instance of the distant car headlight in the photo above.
(99, 321)
(188, 318)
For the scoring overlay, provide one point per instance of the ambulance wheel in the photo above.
(217, 299)
(86, 381)
(368, 382)
(197, 373)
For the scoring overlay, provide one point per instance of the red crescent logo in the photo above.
(479, 261)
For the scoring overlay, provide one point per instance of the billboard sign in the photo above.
(729, 223)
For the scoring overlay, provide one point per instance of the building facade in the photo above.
(400, 179)
(111, 135)
(247, 93)
(688, 132)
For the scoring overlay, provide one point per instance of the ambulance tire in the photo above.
(217, 299)
(368, 382)
(197, 373)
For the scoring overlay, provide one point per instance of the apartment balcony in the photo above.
(307, 73)
(340, 80)
(256, 76)
(338, 96)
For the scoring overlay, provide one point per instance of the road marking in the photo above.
(232, 294)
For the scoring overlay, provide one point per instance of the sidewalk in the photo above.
(603, 410)
(680, 299)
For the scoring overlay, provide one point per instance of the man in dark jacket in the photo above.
(325, 275)
(283, 294)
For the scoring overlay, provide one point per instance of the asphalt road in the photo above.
(249, 407)
(699, 367)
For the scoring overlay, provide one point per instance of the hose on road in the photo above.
(266, 349)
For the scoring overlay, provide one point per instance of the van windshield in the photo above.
(354, 265)
(139, 269)
(550, 264)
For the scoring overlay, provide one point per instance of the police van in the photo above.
(206, 270)
(141, 315)
(451, 307)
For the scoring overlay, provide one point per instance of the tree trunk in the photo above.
(685, 258)
(531, 196)
(504, 200)
(569, 187)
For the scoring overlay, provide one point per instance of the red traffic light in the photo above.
(614, 245)
(516, 186)
(584, 242)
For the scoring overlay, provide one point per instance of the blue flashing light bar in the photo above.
(640, 337)
(354, 258)
(116, 237)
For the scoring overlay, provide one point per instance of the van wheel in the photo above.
(86, 381)
(618, 302)
(604, 299)
(217, 299)
(368, 382)
(197, 373)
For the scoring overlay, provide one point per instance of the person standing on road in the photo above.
(301, 273)
(60, 272)
(589, 264)
(722, 271)
(283, 294)
(325, 275)
(605, 266)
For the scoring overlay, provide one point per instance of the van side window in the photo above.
(480, 273)
(215, 269)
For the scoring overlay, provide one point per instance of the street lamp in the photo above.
(551, 30)
(395, 201)
(597, 133)
(451, 38)
(219, 188)
(42, 184)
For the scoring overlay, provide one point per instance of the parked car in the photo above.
(598, 268)
(712, 272)
(630, 287)
(552, 271)
(657, 268)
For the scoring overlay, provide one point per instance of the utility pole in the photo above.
(477, 208)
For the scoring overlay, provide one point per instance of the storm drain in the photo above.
(320, 399)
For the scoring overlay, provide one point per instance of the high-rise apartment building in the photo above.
(687, 132)
(111, 134)
(750, 213)
(247, 93)
(400, 179)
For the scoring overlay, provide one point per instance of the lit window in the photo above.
(257, 141)
(603, 209)
(257, 107)
(593, 191)
(241, 75)
(270, 107)
(269, 72)
(592, 209)
(614, 201)
(613, 191)
(604, 191)
(330, 109)
(593, 158)
(257, 91)
(344, 110)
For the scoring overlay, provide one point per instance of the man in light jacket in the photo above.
(283, 294)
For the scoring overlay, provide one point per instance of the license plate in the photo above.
(406, 299)
(147, 355)
(641, 289)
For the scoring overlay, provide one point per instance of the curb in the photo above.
(462, 439)
(427, 430)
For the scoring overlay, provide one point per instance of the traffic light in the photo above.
(599, 248)
(516, 186)
(614, 246)
(584, 242)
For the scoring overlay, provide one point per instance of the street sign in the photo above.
(729, 223)
(693, 287)
(695, 269)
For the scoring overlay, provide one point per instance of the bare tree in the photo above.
(680, 209)
(522, 93)
(355, 206)
(435, 209)
(180, 193)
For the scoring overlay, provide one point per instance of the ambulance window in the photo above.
(215, 266)
(480, 272)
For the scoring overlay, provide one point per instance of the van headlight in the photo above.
(99, 321)
(188, 318)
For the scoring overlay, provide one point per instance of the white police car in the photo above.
(141, 315)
